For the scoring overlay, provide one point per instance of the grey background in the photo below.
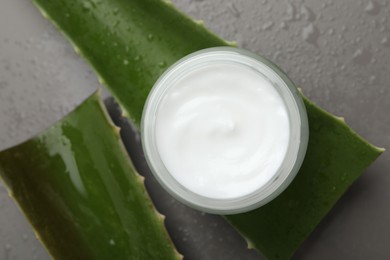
(337, 51)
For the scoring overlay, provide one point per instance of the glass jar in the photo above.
(298, 138)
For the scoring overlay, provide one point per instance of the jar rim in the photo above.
(298, 140)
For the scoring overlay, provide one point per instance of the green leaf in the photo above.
(130, 43)
(76, 185)
(335, 158)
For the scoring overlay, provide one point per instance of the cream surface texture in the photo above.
(222, 130)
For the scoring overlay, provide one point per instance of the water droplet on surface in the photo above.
(112, 242)
(362, 56)
(310, 34)
(372, 80)
(267, 25)
(307, 14)
(125, 62)
(385, 42)
(283, 25)
(291, 13)
(372, 8)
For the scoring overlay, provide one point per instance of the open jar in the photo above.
(224, 130)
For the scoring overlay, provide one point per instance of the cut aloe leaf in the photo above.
(335, 158)
(130, 43)
(76, 185)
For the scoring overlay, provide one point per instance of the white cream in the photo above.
(222, 130)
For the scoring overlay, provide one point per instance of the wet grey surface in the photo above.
(337, 51)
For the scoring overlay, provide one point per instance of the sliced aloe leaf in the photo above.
(335, 158)
(76, 185)
(130, 43)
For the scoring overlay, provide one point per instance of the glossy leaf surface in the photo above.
(76, 185)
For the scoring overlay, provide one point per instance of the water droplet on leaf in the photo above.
(162, 64)
(86, 6)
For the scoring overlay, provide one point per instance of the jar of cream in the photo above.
(224, 130)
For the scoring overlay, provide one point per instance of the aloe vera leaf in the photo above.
(129, 43)
(77, 187)
(335, 158)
